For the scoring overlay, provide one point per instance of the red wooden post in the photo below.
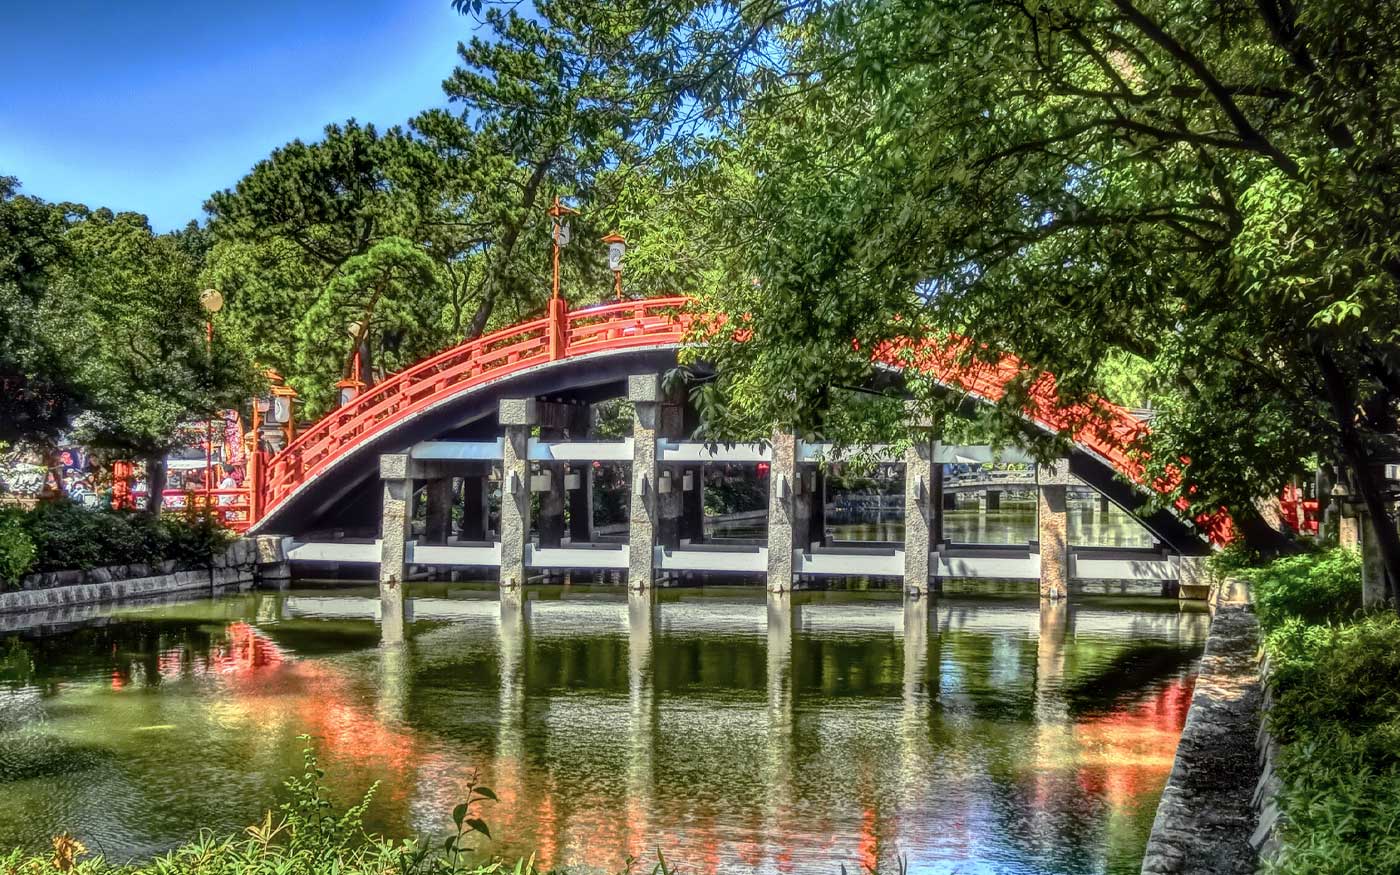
(558, 328)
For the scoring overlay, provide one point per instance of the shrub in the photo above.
(1337, 712)
(16, 548)
(1319, 587)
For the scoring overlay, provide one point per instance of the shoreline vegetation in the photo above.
(305, 835)
(1334, 672)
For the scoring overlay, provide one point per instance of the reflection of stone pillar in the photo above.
(517, 415)
(780, 780)
(641, 689)
(395, 522)
(1054, 739)
(918, 515)
(438, 495)
(1053, 525)
(476, 508)
(784, 525)
(551, 522)
(393, 683)
(513, 636)
(644, 391)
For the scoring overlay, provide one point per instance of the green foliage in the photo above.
(63, 535)
(16, 548)
(1337, 713)
(306, 835)
(1316, 588)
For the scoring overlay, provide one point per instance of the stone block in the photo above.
(644, 389)
(394, 466)
(1055, 473)
(100, 575)
(518, 411)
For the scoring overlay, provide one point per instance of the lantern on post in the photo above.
(617, 247)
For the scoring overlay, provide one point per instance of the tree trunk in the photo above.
(1357, 458)
(155, 484)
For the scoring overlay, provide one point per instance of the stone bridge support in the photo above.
(518, 416)
(580, 498)
(655, 516)
(1052, 521)
(397, 482)
(789, 513)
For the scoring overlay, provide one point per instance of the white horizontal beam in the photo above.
(611, 556)
(699, 451)
(1121, 569)
(891, 565)
(458, 451)
(1025, 567)
(453, 554)
(346, 552)
(739, 559)
(580, 451)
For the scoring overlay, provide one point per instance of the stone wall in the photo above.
(1207, 815)
(243, 562)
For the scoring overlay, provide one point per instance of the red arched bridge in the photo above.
(450, 409)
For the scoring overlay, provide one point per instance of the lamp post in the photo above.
(212, 302)
(350, 387)
(560, 232)
(617, 247)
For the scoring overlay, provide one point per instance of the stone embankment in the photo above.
(1208, 815)
(244, 562)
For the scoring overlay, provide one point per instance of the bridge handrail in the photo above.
(559, 334)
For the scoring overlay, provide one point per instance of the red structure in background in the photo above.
(1301, 514)
(1103, 428)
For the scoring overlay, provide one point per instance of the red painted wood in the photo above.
(1104, 428)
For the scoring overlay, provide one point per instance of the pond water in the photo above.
(988, 737)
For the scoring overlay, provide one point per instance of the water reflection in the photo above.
(738, 735)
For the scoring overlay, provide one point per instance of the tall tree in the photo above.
(146, 361)
(39, 391)
(1208, 188)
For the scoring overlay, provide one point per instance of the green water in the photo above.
(992, 738)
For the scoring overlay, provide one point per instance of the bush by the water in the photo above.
(305, 836)
(1335, 676)
(1317, 587)
(1337, 714)
(63, 535)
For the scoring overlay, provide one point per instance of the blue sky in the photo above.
(148, 106)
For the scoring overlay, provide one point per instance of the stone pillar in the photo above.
(670, 494)
(438, 495)
(581, 504)
(517, 415)
(918, 515)
(394, 533)
(551, 522)
(644, 391)
(784, 525)
(937, 501)
(580, 498)
(1374, 589)
(693, 504)
(1053, 524)
(1349, 528)
(993, 499)
(816, 522)
(476, 508)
